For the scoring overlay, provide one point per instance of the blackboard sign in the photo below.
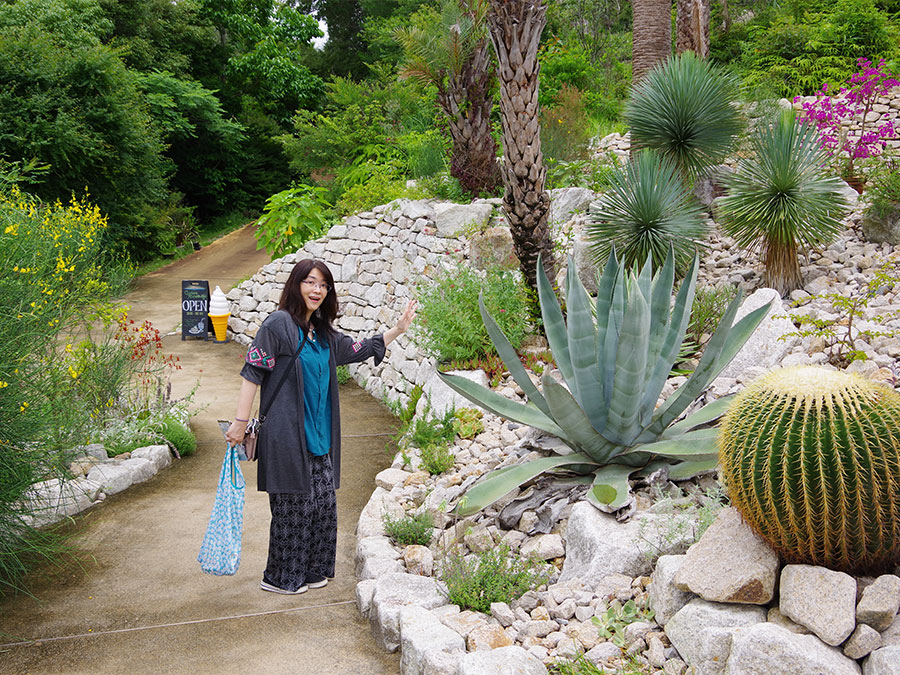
(194, 306)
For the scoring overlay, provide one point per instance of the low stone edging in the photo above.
(96, 476)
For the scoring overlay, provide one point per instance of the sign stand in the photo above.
(194, 308)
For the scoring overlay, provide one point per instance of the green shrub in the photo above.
(710, 304)
(565, 127)
(783, 200)
(410, 529)
(428, 431)
(474, 582)
(437, 458)
(646, 210)
(450, 326)
(180, 436)
(684, 109)
(57, 388)
(291, 218)
(343, 375)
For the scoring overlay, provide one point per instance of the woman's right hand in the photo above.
(236, 432)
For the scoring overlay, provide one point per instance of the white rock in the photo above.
(880, 602)
(365, 590)
(862, 642)
(597, 545)
(451, 220)
(441, 397)
(421, 636)
(388, 478)
(418, 560)
(730, 563)
(767, 649)
(665, 597)
(502, 612)
(160, 455)
(371, 521)
(544, 547)
(112, 476)
(820, 599)
(395, 591)
(764, 348)
(702, 632)
(884, 661)
(602, 652)
(502, 661)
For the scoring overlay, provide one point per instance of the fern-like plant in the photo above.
(685, 109)
(782, 199)
(811, 459)
(646, 209)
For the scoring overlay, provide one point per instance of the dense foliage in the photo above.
(61, 385)
(176, 114)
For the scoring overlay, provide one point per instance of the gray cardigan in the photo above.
(281, 448)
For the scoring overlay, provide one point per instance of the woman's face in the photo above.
(313, 290)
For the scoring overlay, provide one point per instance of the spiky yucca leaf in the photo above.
(782, 199)
(646, 210)
(685, 109)
(811, 459)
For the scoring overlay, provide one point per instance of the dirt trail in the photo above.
(141, 604)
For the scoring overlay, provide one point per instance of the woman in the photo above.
(299, 446)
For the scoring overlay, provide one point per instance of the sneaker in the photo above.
(266, 586)
(314, 581)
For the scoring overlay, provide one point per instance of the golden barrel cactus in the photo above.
(811, 459)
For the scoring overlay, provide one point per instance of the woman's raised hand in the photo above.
(408, 316)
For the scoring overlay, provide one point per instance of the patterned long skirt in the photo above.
(303, 534)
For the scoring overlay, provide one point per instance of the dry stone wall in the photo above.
(377, 258)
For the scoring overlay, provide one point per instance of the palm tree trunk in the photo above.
(467, 101)
(516, 27)
(692, 27)
(651, 35)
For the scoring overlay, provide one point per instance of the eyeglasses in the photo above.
(310, 284)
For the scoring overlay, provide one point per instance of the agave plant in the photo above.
(782, 200)
(646, 211)
(614, 368)
(685, 109)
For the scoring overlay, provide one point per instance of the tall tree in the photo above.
(453, 54)
(516, 27)
(651, 35)
(692, 27)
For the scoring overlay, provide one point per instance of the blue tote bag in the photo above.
(220, 553)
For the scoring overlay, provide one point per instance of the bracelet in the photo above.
(238, 419)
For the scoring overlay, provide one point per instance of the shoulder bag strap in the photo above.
(287, 372)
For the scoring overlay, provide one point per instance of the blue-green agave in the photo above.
(614, 359)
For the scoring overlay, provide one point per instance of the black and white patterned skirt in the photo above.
(303, 534)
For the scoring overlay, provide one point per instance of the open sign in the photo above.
(194, 308)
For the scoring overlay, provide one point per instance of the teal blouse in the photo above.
(316, 402)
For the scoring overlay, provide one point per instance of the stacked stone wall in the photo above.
(377, 258)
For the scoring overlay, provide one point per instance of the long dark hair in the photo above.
(292, 301)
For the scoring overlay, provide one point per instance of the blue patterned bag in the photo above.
(220, 552)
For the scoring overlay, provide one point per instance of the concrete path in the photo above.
(139, 602)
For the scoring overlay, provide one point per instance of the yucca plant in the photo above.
(811, 459)
(646, 210)
(782, 199)
(614, 368)
(685, 109)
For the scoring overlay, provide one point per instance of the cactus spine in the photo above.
(811, 459)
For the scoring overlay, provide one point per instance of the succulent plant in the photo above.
(811, 459)
(614, 368)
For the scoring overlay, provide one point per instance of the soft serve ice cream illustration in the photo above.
(219, 311)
